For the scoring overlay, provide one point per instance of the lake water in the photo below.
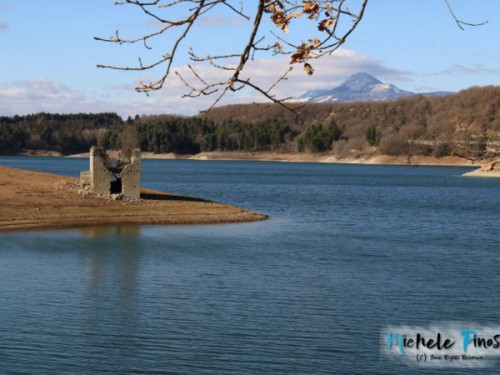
(349, 250)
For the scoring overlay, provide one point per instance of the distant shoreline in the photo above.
(417, 160)
(291, 157)
(35, 201)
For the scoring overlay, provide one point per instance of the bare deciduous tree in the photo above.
(128, 141)
(330, 24)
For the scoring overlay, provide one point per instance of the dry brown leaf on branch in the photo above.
(308, 69)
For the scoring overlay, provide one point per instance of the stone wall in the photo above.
(85, 179)
(101, 175)
(131, 177)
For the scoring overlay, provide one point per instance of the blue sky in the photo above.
(49, 55)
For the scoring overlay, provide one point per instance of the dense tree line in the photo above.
(465, 123)
(319, 138)
(159, 134)
(64, 133)
(193, 135)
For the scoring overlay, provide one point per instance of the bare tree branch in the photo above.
(459, 22)
(329, 23)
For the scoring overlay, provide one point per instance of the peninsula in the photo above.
(35, 200)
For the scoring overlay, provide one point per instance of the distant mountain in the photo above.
(359, 87)
(437, 93)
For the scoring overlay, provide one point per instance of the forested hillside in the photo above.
(65, 133)
(467, 124)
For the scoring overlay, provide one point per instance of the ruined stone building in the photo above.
(112, 177)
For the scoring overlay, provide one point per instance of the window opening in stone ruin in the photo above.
(116, 185)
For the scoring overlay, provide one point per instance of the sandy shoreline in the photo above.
(495, 173)
(329, 158)
(35, 200)
(291, 157)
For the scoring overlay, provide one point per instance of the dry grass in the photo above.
(34, 200)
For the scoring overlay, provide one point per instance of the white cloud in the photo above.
(205, 21)
(3, 26)
(24, 97)
(220, 21)
(329, 72)
(50, 96)
(464, 69)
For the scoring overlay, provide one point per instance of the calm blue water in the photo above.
(349, 250)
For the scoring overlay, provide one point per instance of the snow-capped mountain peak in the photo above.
(359, 87)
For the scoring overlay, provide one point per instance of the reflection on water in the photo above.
(105, 231)
(110, 299)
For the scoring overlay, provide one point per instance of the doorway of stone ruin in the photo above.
(116, 185)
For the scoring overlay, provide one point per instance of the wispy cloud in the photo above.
(50, 96)
(25, 97)
(221, 21)
(3, 25)
(329, 71)
(205, 21)
(426, 89)
(464, 69)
